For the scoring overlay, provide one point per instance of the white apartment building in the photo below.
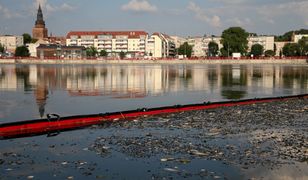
(160, 46)
(200, 44)
(178, 41)
(266, 41)
(10, 42)
(32, 47)
(297, 37)
(279, 47)
(133, 43)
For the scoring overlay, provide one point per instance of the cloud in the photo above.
(53, 8)
(139, 6)
(201, 15)
(231, 1)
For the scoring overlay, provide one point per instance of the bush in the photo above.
(22, 51)
(269, 53)
(122, 55)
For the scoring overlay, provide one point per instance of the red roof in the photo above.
(130, 34)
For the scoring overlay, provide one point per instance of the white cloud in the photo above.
(52, 8)
(139, 6)
(201, 15)
(230, 1)
(240, 21)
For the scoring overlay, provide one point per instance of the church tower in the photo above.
(39, 31)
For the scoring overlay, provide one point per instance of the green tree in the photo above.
(27, 38)
(103, 53)
(1, 48)
(291, 49)
(91, 51)
(34, 40)
(122, 55)
(303, 46)
(22, 51)
(288, 35)
(185, 49)
(257, 50)
(269, 53)
(213, 48)
(234, 40)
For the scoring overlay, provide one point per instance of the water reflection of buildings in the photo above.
(231, 81)
(119, 80)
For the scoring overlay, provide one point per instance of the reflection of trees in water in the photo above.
(233, 83)
(229, 82)
(292, 76)
(233, 94)
(257, 73)
(104, 72)
(212, 76)
(22, 74)
(172, 75)
(122, 73)
(2, 74)
(182, 74)
(87, 73)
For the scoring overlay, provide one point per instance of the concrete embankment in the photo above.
(206, 61)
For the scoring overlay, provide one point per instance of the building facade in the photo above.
(279, 47)
(297, 37)
(201, 44)
(39, 31)
(178, 41)
(266, 41)
(199, 47)
(133, 43)
(10, 42)
(59, 51)
(160, 46)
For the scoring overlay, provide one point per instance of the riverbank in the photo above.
(205, 61)
(258, 141)
(252, 138)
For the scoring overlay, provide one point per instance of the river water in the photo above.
(32, 91)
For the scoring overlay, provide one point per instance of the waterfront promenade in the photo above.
(300, 60)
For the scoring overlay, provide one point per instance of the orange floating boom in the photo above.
(54, 123)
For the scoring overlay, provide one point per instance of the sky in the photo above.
(173, 17)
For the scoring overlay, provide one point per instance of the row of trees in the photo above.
(93, 52)
(234, 40)
(296, 49)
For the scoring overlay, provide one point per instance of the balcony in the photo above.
(121, 42)
(121, 46)
(87, 43)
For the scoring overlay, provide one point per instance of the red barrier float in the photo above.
(54, 123)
